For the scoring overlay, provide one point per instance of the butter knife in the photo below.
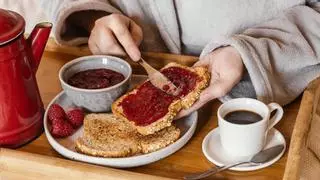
(158, 80)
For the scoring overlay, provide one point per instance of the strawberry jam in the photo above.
(182, 78)
(95, 79)
(149, 103)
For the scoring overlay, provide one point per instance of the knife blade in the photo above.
(159, 80)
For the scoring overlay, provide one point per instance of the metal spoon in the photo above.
(261, 157)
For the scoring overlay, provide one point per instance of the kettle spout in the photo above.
(37, 41)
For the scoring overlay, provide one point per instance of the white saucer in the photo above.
(66, 146)
(214, 152)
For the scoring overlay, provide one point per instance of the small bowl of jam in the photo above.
(95, 82)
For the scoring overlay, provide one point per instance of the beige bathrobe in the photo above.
(279, 40)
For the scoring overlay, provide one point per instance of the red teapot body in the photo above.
(21, 108)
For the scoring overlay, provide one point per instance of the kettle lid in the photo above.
(11, 25)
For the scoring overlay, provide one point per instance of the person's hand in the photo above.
(116, 34)
(226, 67)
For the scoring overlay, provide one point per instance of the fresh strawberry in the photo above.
(56, 112)
(56, 121)
(61, 128)
(75, 117)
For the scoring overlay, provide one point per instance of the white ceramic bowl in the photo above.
(95, 100)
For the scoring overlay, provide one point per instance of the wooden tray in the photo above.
(299, 147)
(37, 160)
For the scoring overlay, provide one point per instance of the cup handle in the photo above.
(277, 117)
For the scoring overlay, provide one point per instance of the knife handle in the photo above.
(150, 70)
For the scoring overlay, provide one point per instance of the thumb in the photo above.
(201, 62)
(205, 61)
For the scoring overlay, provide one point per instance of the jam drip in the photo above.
(95, 79)
(149, 103)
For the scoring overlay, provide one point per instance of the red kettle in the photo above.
(21, 108)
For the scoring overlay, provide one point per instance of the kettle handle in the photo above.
(37, 41)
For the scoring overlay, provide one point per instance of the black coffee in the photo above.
(242, 117)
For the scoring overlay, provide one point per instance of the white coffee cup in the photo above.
(246, 139)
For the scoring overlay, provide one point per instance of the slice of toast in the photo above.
(108, 136)
(159, 140)
(176, 105)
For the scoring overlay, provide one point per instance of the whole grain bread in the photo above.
(108, 136)
(184, 102)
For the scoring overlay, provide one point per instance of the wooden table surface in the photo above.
(187, 160)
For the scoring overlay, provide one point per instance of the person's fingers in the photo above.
(136, 32)
(108, 44)
(205, 97)
(92, 44)
(222, 86)
(122, 33)
(218, 88)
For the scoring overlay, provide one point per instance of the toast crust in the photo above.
(84, 147)
(105, 135)
(184, 102)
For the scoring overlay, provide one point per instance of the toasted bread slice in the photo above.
(184, 102)
(108, 136)
(188, 100)
(164, 122)
(159, 140)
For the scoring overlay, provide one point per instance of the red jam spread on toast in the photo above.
(149, 103)
(95, 78)
(182, 78)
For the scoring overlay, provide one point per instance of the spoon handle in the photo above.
(211, 171)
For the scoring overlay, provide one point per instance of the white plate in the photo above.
(214, 152)
(66, 146)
